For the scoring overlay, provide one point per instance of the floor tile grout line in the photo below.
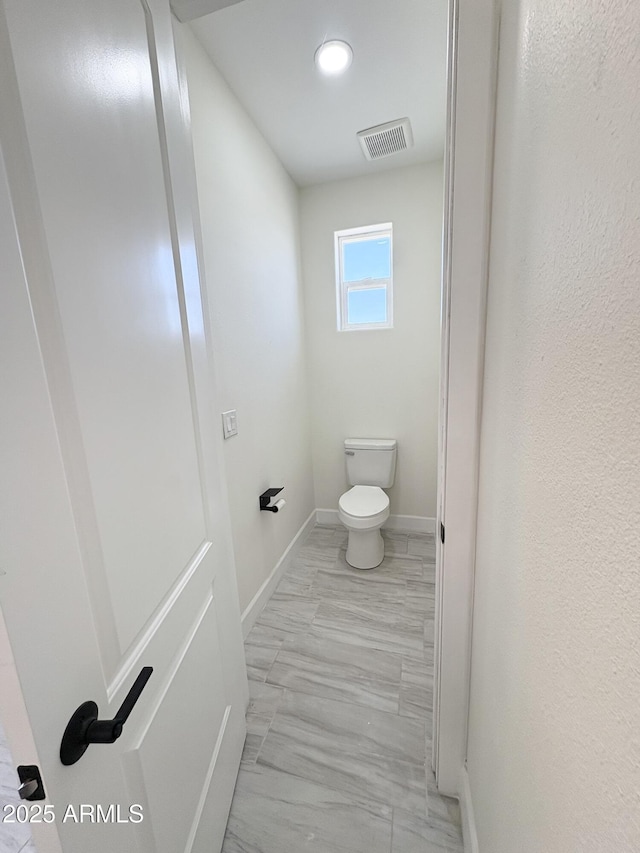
(269, 726)
(393, 815)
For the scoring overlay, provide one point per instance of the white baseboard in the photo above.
(259, 600)
(410, 523)
(469, 834)
(327, 516)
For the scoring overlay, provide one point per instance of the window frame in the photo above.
(343, 288)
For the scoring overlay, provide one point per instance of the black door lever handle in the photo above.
(108, 731)
(85, 728)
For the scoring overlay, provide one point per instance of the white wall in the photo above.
(377, 384)
(249, 213)
(554, 749)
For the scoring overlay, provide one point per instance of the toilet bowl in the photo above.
(363, 510)
(370, 467)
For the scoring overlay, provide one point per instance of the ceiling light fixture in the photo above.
(333, 57)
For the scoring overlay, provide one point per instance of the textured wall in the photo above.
(384, 383)
(249, 213)
(554, 736)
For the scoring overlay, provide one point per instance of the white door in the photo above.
(114, 547)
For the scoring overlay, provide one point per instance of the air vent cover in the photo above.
(385, 139)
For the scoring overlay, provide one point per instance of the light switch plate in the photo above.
(229, 423)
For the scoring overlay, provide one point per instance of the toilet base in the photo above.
(365, 549)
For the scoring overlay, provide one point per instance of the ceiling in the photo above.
(265, 51)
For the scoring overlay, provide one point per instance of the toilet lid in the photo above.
(363, 501)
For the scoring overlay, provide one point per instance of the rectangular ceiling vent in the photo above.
(385, 139)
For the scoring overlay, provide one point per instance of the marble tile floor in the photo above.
(340, 663)
(14, 837)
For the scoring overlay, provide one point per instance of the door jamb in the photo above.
(471, 88)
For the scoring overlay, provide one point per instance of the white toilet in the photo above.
(371, 467)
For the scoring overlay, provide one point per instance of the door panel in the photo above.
(182, 734)
(119, 553)
(115, 280)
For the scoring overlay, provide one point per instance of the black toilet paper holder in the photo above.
(265, 499)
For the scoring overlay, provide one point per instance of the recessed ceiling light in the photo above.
(333, 57)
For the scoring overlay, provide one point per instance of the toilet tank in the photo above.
(370, 461)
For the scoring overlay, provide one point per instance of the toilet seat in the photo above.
(364, 507)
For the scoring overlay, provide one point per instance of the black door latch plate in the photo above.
(31, 773)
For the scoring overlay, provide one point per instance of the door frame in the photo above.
(471, 88)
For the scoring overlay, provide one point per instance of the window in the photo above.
(364, 279)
